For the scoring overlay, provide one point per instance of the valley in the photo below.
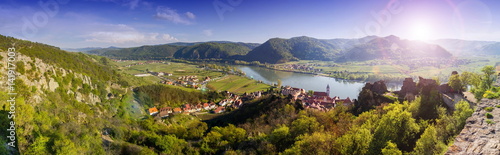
(100, 105)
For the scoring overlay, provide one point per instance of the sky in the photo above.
(130, 23)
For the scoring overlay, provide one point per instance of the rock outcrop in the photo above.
(408, 90)
(481, 135)
(371, 95)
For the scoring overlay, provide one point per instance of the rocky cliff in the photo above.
(481, 135)
(41, 77)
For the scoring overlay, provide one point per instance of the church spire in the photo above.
(328, 89)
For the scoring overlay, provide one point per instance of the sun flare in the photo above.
(421, 31)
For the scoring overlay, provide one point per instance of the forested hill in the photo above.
(392, 47)
(63, 99)
(305, 48)
(205, 50)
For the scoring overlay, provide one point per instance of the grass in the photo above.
(489, 115)
(498, 106)
(177, 69)
(488, 109)
(490, 122)
(237, 84)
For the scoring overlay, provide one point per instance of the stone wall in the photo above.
(479, 136)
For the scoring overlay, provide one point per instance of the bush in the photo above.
(489, 115)
(498, 106)
(490, 122)
(489, 109)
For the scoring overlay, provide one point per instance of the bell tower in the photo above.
(328, 90)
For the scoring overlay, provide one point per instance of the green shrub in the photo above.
(490, 121)
(489, 115)
(489, 109)
(498, 106)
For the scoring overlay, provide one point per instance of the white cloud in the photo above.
(133, 4)
(166, 13)
(190, 15)
(208, 33)
(123, 34)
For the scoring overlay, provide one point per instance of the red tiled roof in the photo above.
(153, 110)
(320, 94)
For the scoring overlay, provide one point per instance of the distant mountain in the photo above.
(81, 49)
(279, 50)
(198, 50)
(392, 47)
(212, 50)
(491, 49)
(466, 47)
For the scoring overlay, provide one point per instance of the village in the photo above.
(232, 101)
(320, 101)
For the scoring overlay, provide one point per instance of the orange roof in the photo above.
(153, 110)
(177, 110)
(320, 94)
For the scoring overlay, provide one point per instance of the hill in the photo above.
(392, 47)
(198, 50)
(279, 50)
(63, 99)
(466, 47)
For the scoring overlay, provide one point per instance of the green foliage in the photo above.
(455, 83)
(20, 67)
(489, 121)
(429, 143)
(305, 124)
(391, 149)
(39, 146)
(498, 106)
(221, 137)
(281, 137)
(489, 109)
(398, 126)
(356, 141)
(319, 143)
(206, 50)
(169, 144)
(163, 96)
(489, 115)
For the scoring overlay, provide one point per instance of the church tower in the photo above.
(328, 90)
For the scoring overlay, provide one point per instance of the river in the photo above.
(338, 87)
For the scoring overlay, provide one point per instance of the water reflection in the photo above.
(338, 87)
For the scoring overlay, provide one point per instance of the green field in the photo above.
(389, 68)
(237, 84)
(177, 69)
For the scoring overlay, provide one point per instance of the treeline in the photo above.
(208, 50)
(275, 124)
(163, 96)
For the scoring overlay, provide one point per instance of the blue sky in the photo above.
(128, 23)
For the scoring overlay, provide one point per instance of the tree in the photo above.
(39, 146)
(281, 137)
(391, 149)
(305, 124)
(356, 141)
(488, 80)
(318, 143)
(429, 143)
(455, 83)
(170, 144)
(398, 126)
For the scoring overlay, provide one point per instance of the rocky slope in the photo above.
(479, 136)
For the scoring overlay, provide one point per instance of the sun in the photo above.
(421, 31)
